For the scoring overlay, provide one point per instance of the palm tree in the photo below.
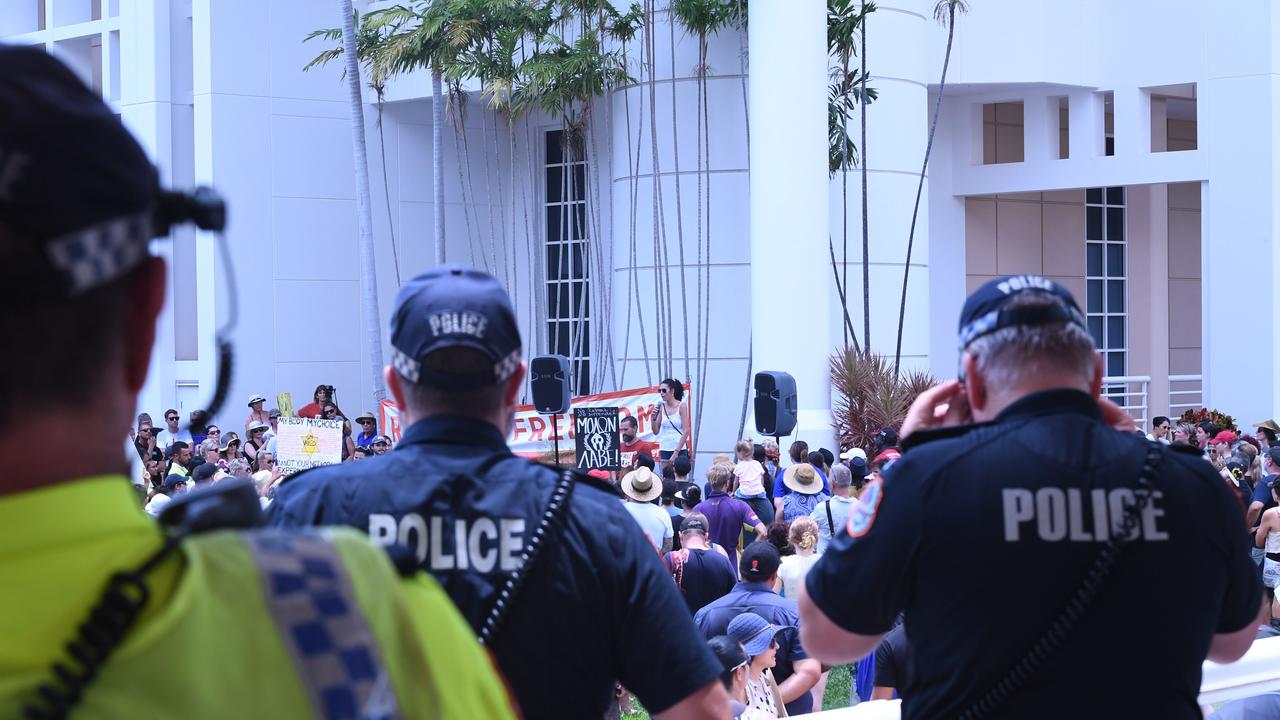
(944, 12)
(368, 272)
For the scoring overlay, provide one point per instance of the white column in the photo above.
(1086, 131)
(145, 108)
(1132, 122)
(1237, 112)
(791, 298)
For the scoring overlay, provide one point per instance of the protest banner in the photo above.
(596, 437)
(303, 443)
(389, 420)
(531, 433)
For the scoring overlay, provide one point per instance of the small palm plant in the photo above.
(870, 395)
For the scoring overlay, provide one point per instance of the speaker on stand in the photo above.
(776, 407)
(549, 385)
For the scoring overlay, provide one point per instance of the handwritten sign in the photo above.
(596, 440)
(303, 443)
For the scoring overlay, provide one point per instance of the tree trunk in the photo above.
(866, 230)
(368, 272)
(437, 162)
(911, 236)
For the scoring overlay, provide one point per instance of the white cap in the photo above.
(256, 398)
(852, 453)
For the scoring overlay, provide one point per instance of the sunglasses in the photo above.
(366, 422)
(258, 430)
(662, 390)
(171, 418)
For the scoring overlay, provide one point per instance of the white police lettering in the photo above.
(454, 544)
(12, 163)
(458, 323)
(1017, 283)
(1063, 514)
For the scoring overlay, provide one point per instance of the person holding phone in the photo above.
(1003, 512)
(670, 421)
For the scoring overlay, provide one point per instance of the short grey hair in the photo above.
(208, 445)
(1011, 355)
(840, 476)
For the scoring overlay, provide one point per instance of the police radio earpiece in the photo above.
(207, 210)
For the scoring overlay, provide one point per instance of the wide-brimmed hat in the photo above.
(366, 415)
(225, 441)
(1269, 424)
(256, 398)
(641, 484)
(754, 632)
(802, 478)
(258, 425)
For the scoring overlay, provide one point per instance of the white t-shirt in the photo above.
(840, 509)
(655, 521)
(792, 572)
(750, 474)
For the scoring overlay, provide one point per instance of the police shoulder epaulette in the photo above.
(584, 479)
(920, 437)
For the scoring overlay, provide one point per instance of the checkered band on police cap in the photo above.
(454, 306)
(984, 311)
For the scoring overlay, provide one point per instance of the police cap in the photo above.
(984, 311)
(454, 306)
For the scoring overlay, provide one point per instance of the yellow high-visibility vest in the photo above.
(238, 624)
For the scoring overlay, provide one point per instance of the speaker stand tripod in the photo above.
(555, 436)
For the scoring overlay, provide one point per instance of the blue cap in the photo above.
(77, 192)
(754, 632)
(454, 306)
(984, 312)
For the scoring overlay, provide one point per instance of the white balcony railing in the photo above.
(1186, 392)
(1130, 393)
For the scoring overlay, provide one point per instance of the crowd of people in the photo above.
(178, 457)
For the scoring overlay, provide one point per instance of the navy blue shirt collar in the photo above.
(1047, 402)
(454, 430)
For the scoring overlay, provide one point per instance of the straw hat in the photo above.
(641, 484)
(801, 478)
(1269, 424)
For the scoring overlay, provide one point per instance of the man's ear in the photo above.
(974, 384)
(146, 300)
(394, 386)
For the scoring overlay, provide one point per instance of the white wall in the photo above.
(657, 259)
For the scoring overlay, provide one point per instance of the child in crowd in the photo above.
(749, 479)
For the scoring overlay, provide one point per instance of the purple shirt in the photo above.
(726, 518)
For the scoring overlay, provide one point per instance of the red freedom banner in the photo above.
(532, 435)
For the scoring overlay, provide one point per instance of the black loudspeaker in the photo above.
(776, 405)
(549, 382)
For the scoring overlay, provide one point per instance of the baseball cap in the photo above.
(174, 479)
(1236, 468)
(753, 632)
(382, 439)
(77, 191)
(275, 413)
(454, 306)
(984, 312)
(759, 561)
(854, 452)
(204, 472)
(693, 523)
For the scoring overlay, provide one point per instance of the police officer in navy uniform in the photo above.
(596, 607)
(1012, 482)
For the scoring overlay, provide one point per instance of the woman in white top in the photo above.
(760, 643)
(803, 536)
(1268, 538)
(671, 421)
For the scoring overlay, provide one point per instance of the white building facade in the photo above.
(1126, 149)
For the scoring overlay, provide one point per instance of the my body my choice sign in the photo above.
(596, 441)
(303, 443)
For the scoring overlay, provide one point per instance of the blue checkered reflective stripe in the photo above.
(314, 607)
(97, 255)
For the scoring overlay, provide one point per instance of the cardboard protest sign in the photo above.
(596, 438)
(389, 422)
(303, 443)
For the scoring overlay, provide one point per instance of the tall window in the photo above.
(568, 277)
(1106, 277)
